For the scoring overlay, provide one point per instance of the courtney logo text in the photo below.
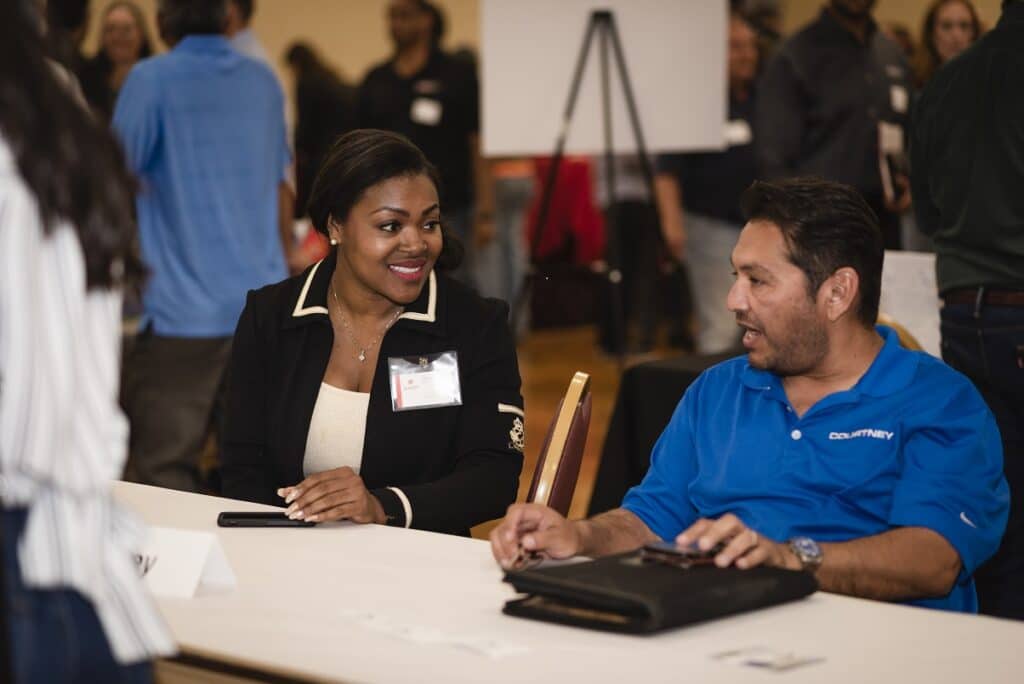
(865, 432)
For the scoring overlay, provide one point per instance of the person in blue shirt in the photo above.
(828, 447)
(203, 128)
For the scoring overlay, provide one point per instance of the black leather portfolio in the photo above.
(627, 593)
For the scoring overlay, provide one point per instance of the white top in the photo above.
(372, 603)
(62, 434)
(336, 430)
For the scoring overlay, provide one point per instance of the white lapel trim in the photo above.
(429, 316)
(300, 308)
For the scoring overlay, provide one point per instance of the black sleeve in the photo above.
(245, 470)
(488, 444)
(779, 119)
(363, 117)
(925, 211)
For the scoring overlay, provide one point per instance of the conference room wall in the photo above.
(910, 13)
(352, 34)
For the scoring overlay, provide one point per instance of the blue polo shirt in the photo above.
(203, 127)
(911, 444)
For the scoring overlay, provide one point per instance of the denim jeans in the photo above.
(986, 343)
(55, 636)
(709, 247)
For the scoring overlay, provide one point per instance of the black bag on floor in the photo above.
(626, 593)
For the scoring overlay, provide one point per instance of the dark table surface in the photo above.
(648, 395)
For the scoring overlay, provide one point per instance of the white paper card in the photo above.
(184, 564)
(425, 111)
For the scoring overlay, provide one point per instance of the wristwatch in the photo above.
(807, 552)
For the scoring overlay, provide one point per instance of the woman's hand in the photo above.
(337, 494)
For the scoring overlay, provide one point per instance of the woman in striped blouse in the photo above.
(74, 605)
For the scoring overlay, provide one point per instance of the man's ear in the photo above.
(839, 293)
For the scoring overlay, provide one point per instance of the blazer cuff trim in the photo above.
(406, 506)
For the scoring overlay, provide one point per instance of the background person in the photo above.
(698, 198)
(313, 413)
(949, 28)
(123, 42)
(325, 108)
(968, 168)
(75, 608)
(822, 102)
(203, 128)
(432, 98)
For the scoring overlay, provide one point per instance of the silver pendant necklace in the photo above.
(352, 333)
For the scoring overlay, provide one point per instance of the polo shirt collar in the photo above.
(893, 369)
(204, 43)
(426, 313)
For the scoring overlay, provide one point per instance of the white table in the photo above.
(298, 589)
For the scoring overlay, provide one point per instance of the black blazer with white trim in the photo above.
(442, 469)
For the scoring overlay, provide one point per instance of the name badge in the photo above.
(426, 381)
(425, 111)
(899, 99)
(737, 132)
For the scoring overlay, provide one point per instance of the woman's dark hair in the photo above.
(180, 18)
(70, 162)
(928, 59)
(304, 58)
(357, 161)
(826, 226)
(102, 60)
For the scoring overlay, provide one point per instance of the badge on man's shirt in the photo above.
(899, 99)
(426, 381)
(737, 132)
(425, 111)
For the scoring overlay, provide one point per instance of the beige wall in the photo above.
(907, 12)
(352, 34)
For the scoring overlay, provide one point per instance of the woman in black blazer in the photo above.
(312, 356)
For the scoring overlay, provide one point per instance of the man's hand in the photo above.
(743, 546)
(337, 494)
(536, 529)
(902, 201)
(674, 232)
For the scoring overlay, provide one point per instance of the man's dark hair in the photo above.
(180, 18)
(826, 226)
(357, 161)
(438, 25)
(245, 8)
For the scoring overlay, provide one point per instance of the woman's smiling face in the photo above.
(391, 238)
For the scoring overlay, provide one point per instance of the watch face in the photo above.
(806, 549)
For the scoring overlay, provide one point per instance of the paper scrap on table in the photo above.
(421, 634)
(184, 563)
(762, 657)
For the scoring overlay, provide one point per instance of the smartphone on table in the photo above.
(259, 519)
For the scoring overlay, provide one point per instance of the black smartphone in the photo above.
(670, 554)
(259, 519)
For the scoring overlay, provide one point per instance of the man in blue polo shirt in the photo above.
(827, 448)
(203, 128)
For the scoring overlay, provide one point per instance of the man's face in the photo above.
(854, 9)
(407, 22)
(784, 327)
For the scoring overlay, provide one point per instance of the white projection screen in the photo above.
(675, 52)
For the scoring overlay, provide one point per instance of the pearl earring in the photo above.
(334, 241)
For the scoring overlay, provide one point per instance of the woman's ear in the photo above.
(334, 231)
